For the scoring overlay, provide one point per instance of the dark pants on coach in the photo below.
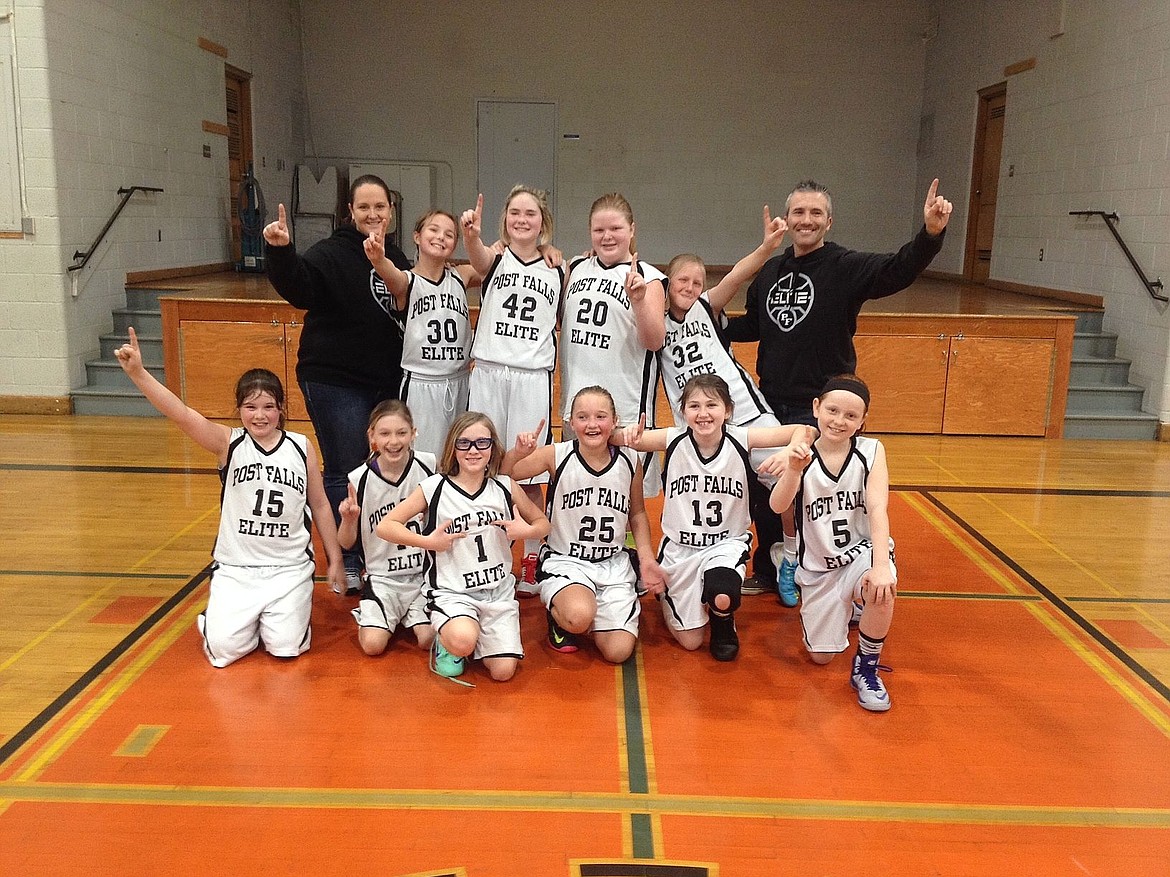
(769, 530)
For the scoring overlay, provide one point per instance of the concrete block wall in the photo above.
(1087, 129)
(114, 93)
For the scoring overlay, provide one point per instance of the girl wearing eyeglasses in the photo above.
(472, 515)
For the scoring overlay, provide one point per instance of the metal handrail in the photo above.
(86, 255)
(1110, 219)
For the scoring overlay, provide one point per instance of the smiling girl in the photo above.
(436, 345)
(705, 515)
(393, 589)
(472, 516)
(262, 581)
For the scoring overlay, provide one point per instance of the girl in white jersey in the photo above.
(472, 515)
(612, 321)
(436, 345)
(587, 581)
(695, 344)
(392, 593)
(262, 582)
(515, 340)
(705, 515)
(841, 491)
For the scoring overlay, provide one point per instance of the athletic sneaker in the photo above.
(353, 583)
(786, 582)
(871, 692)
(754, 586)
(855, 618)
(446, 664)
(527, 586)
(724, 639)
(559, 639)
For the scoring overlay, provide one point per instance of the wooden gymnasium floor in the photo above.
(1030, 732)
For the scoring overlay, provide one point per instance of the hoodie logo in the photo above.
(790, 299)
(381, 293)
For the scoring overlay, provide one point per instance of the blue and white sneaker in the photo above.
(786, 582)
(446, 664)
(871, 692)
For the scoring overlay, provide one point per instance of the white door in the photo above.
(516, 143)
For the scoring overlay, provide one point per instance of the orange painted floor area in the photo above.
(1017, 744)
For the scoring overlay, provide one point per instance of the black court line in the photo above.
(1030, 491)
(13, 744)
(122, 470)
(1059, 602)
(73, 574)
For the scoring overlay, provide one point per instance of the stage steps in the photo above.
(1102, 403)
(108, 390)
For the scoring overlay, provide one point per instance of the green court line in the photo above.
(141, 740)
(635, 741)
(78, 574)
(588, 802)
(642, 834)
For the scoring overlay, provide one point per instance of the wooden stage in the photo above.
(1029, 734)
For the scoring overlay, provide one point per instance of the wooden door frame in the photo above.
(986, 96)
(243, 79)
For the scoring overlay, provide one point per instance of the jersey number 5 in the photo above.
(841, 533)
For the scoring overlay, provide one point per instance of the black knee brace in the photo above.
(721, 580)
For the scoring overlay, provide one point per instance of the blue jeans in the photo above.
(341, 417)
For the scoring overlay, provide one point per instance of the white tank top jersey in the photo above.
(831, 519)
(481, 560)
(695, 346)
(705, 499)
(377, 496)
(589, 509)
(264, 518)
(518, 313)
(599, 339)
(437, 339)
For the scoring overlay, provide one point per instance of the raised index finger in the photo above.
(479, 206)
(767, 216)
(280, 215)
(133, 337)
(539, 429)
(930, 195)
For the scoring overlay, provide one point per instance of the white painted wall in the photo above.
(699, 112)
(113, 93)
(1087, 129)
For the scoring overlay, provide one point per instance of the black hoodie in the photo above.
(352, 334)
(803, 311)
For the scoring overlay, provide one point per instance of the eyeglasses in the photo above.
(480, 444)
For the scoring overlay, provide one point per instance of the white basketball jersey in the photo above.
(264, 519)
(437, 339)
(831, 519)
(377, 496)
(588, 508)
(693, 347)
(705, 499)
(599, 340)
(518, 313)
(481, 560)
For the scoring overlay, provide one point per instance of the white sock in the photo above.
(531, 546)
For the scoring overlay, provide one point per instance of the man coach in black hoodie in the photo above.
(802, 309)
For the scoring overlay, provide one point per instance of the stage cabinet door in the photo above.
(999, 386)
(907, 378)
(213, 355)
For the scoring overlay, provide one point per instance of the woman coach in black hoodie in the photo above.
(351, 344)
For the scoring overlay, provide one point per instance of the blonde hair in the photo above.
(683, 259)
(616, 201)
(546, 217)
(595, 390)
(449, 465)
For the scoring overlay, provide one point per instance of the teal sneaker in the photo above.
(446, 664)
(786, 582)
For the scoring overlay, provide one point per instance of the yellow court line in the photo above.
(465, 800)
(98, 595)
(121, 681)
(1056, 623)
(993, 569)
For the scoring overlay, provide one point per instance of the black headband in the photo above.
(850, 385)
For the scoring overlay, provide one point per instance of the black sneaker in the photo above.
(559, 639)
(724, 639)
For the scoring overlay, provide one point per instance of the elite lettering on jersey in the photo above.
(854, 552)
(274, 474)
(252, 527)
